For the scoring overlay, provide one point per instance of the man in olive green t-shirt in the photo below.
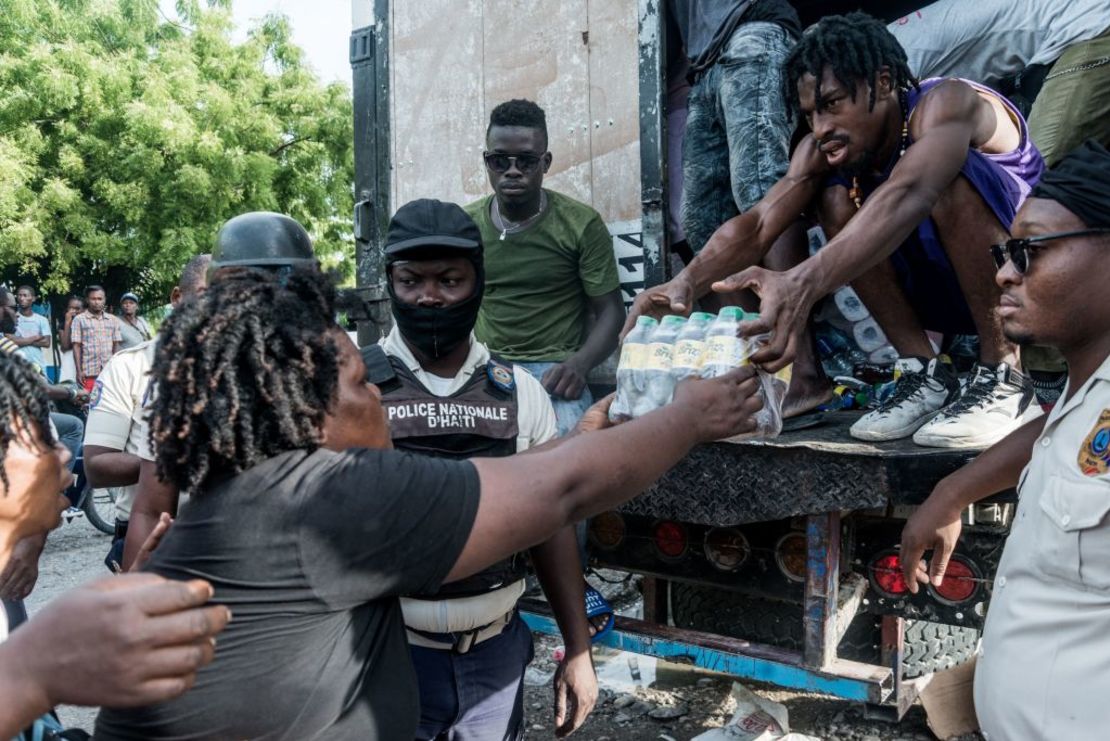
(549, 266)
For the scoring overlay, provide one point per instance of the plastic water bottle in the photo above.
(689, 348)
(658, 384)
(724, 348)
(868, 335)
(851, 308)
(631, 368)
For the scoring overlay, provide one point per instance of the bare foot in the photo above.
(805, 395)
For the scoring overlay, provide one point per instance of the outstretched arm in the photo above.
(944, 127)
(525, 499)
(741, 241)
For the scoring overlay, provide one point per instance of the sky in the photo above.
(320, 27)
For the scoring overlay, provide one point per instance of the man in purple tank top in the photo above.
(912, 182)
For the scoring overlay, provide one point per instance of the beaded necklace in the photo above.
(856, 192)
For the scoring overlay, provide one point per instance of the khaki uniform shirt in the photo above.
(115, 410)
(1044, 667)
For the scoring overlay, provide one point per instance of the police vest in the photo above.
(478, 420)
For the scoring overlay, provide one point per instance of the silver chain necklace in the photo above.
(512, 227)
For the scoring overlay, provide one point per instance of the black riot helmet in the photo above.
(262, 239)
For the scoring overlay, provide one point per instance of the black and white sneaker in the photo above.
(922, 388)
(988, 409)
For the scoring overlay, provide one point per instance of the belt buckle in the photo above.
(465, 641)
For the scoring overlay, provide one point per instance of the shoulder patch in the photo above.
(500, 375)
(1094, 454)
(97, 392)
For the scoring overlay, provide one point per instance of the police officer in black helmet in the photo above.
(262, 239)
(258, 239)
(446, 396)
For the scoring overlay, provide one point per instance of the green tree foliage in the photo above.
(127, 137)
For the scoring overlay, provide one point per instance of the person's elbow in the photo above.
(95, 468)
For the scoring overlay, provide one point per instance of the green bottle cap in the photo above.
(701, 316)
(751, 316)
(646, 321)
(735, 313)
(672, 320)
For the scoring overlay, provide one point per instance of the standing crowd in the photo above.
(356, 524)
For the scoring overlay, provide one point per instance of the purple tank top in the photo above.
(1023, 164)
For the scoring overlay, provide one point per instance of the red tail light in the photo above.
(670, 540)
(960, 582)
(886, 575)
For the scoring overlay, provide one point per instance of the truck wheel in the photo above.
(928, 647)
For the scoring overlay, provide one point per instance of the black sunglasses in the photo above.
(500, 163)
(1017, 250)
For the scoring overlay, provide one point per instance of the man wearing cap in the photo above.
(444, 395)
(257, 239)
(1050, 605)
(115, 420)
(133, 328)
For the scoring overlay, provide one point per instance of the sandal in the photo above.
(596, 605)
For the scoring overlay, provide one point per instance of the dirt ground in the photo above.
(691, 701)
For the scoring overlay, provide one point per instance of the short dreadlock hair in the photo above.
(23, 401)
(855, 46)
(518, 112)
(243, 372)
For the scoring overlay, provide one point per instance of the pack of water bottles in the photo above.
(657, 355)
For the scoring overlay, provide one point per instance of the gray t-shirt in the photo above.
(310, 552)
(133, 334)
(989, 40)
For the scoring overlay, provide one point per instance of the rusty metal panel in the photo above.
(614, 109)
(437, 49)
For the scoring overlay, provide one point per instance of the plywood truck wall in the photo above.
(452, 61)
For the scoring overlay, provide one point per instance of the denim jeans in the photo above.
(737, 131)
(71, 433)
(567, 411)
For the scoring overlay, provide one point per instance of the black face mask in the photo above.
(438, 331)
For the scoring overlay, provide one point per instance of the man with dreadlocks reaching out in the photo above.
(909, 180)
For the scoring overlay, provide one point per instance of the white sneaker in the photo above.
(989, 408)
(920, 392)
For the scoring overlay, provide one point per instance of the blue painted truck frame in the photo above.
(815, 669)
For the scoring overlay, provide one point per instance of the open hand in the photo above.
(721, 407)
(120, 641)
(785, 301)
(934, 526)
(575, 693)
(676, 296)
